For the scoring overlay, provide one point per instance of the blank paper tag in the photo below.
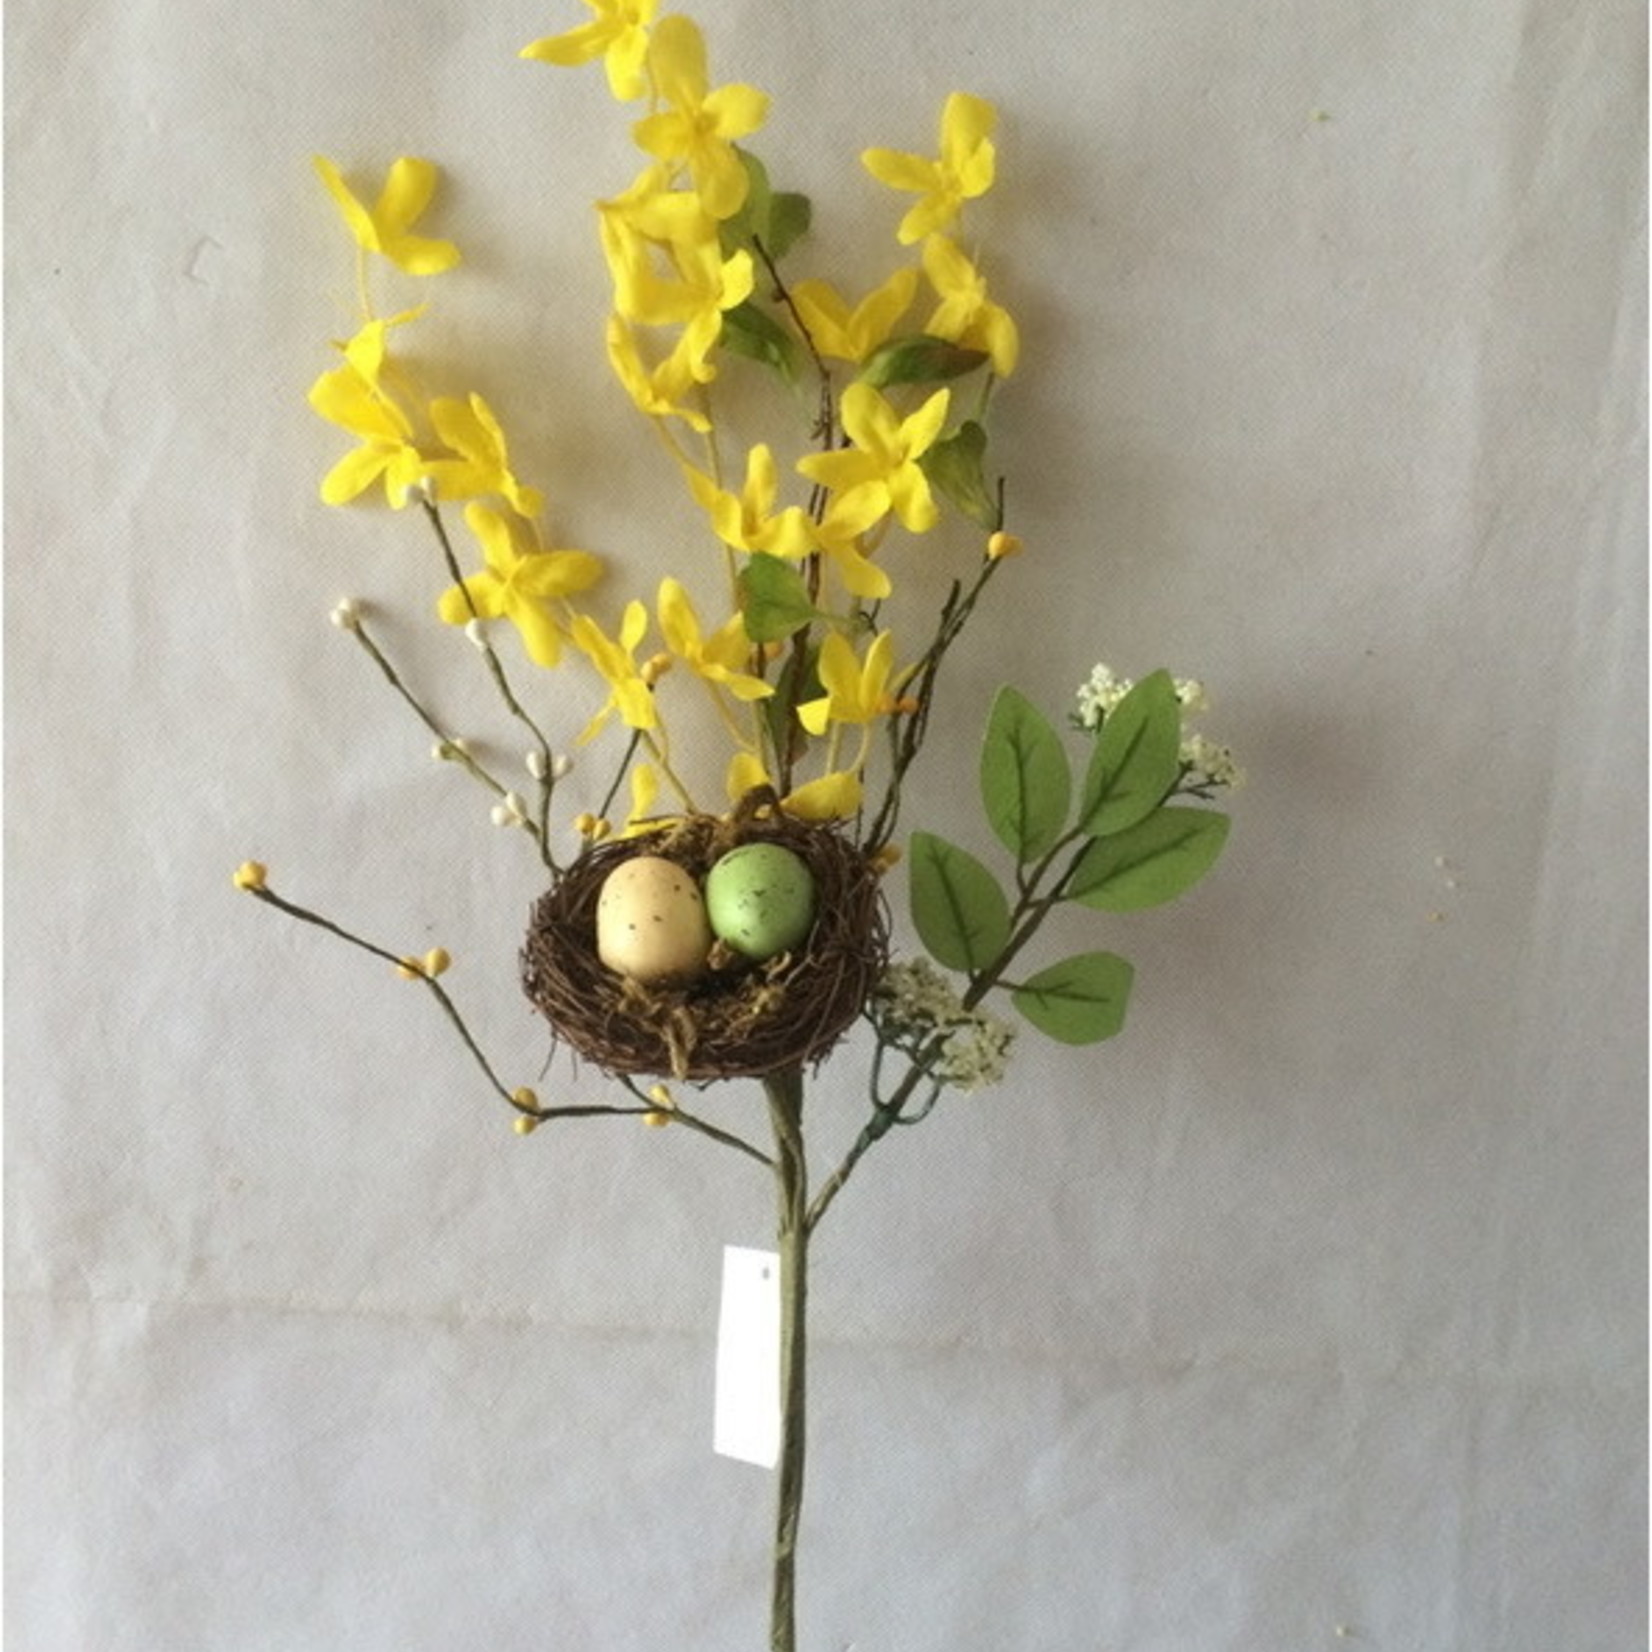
(748, 1358)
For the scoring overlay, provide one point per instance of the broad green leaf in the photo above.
(774, 601)
(1149, 863)
(1079, 1001)
(954, 467)
(961, 914)
(1137, 759)
(790, 215)
(918, 358)
(1025, 783)
(752, 332)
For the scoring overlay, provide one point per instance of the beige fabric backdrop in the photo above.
(1312, 1306)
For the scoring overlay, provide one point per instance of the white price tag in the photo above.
(748, 1358)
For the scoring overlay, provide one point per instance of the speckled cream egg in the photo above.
(651, 922)
(760, 899)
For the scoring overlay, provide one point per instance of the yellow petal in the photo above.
(353, 474)
(576, 46)
(966, 123)
(553, 574)
(355, 215)
(677, 56)
(745, 773)
(831, 797)
(482, 596)
(737, 110)
(918, 432)
(679, 624)
(541, 636)
(408, 188)
(900, 170)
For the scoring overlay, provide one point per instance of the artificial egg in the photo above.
(760, 899)
(651, 922)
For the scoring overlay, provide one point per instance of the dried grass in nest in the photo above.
(741, 1019)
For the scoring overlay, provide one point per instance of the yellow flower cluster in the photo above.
(693, 247)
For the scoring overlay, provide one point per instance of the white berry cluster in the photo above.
(915, 1007)
(1207, 766)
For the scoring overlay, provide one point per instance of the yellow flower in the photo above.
(856, 692)
(964, 170)
(518, 585)
(615, 662)
(965, 314)
(881, 471)
(720, 658)
(386, 227)
(852, 335)
(354, 398)
(471, 430)
(658, 392)
(746, 521)
(618, 34)
(705, 285)
(699, 127)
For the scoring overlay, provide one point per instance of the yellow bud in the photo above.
(525, 1126)
(585, 825)
(888, 856)
(656, 1120)
(654, 668)
(525, 1097)
(661, 1095)
(773, 650)
(436, 960)
(250, 875)
(1002, 545)
(410, 969)
(601, 829)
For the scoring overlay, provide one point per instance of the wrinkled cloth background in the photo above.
(1307, 1313)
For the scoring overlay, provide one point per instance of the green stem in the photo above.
(784, 1090)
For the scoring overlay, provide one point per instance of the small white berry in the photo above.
(347, 615)
(536, 765)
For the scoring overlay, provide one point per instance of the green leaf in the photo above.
(790, 215)
(752, 332)
(918, 358)
(796, 683)
(960, 913)
(1025, 782)
(1149, 863)
(953, 467)
(1137, 759)
(774, 602)
(778, 218)
(1079, 1001)
(753, 216)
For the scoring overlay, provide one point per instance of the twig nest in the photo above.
(801, 889)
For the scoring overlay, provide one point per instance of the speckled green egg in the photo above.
(760, 899)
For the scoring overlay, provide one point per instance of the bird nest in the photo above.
(740, 1019)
